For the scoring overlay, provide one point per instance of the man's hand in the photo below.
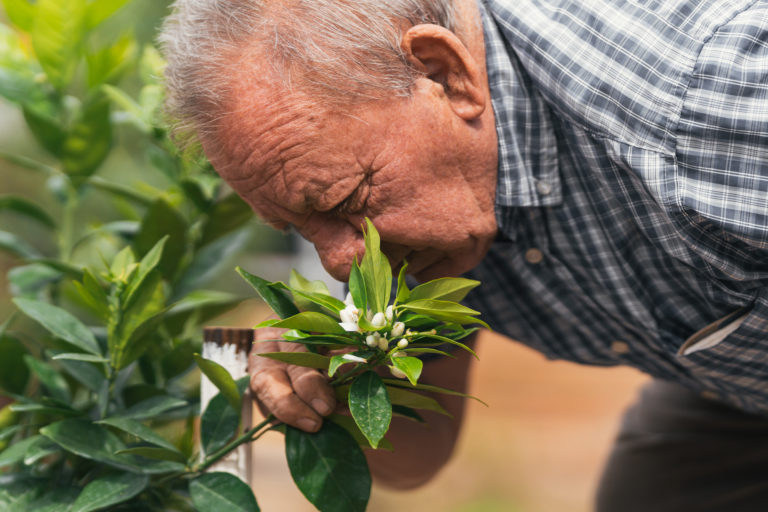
(296, 395)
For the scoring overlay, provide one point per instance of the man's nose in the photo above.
(337, 244)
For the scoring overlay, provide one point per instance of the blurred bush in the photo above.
(113, 240)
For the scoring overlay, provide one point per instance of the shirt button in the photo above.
(620, 347)
(533, 256)
(543, 187)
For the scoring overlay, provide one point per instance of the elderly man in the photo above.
(602, 167)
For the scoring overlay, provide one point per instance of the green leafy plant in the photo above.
(368, 333)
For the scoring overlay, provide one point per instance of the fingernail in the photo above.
(321, 406)
(307, 424)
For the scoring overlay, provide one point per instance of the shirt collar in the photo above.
(528, 172)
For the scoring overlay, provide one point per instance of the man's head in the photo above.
(320, 113)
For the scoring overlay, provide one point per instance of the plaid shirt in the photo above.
(632, 196)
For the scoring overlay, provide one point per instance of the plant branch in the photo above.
(245, 438)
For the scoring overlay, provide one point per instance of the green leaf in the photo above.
(56, 37)
(108, 63)
(226, 215)
(157, 453)
(376, 270)
(151, 407)
(311, 321)
(122, 265)
(329, 468)
(437, 308)
(27, 209)
(274, 298)
(222, 379)
(44, 121)
(93, 295)
(139, 430)
(407, 412)
(121, 191)
(41, 448)
(443, 339)
(94, 442)
(14, 374)
(217, 492)
(15, 452)
(446, 289)
(306, 359)
(370, 406)
(402, 287)
(129, 335)
(76, 356)
(100, 10)
(59, 499)
(109, 490)
(21, 13)
(302, 284)
(49, 410)
(357, 287)
(400, 396)
(60, 323)
(82, 371)
(18, 492)
(348, 424)
(15, 245)
(208, 262)
(428, 351)
(50, 378)
(430, 388)
(88, 141)
(411, 366)
(29, 281)
(147, 264)
(218, 425)
(160, 220)
(335, 362)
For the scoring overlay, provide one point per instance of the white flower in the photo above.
(371, 340)
(378, 320)
(397, 372)
(348, 300)
(398, 329)
(353, 359)
(402, 343)
(389, 313)
(349, 317)
(383, 343)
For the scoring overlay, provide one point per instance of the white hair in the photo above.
(338, 49)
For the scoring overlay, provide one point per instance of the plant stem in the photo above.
(222, 452)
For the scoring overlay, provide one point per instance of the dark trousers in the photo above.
(680, 452)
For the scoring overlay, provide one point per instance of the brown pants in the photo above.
(679, 452)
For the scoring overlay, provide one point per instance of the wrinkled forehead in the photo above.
(271, 145)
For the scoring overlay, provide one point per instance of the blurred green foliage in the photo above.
(113, 238)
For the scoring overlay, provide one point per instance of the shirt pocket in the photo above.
(728, 359)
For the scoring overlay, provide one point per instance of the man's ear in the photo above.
(440, 54)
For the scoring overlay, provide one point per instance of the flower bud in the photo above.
(348, 300)
(383, 344)
(397, 372)
(389, 313)
(402, 343)
(397, 329)
(378, 320)
(353, 359)
(371, 340)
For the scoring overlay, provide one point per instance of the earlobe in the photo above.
(443, 58)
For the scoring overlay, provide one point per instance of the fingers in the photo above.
(296, 395)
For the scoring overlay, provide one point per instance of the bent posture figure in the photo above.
(601, 166)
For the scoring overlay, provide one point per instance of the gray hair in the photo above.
(345, 50)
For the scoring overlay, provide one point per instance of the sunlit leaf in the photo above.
(370, 406)
(21, 13)
(444, 289)
(375, 270)
(100, 10)
(311, 321)
(411, 366)
(56, 37)
(402, 287)
(357, 287)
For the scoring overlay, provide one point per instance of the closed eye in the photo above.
(355, 202)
